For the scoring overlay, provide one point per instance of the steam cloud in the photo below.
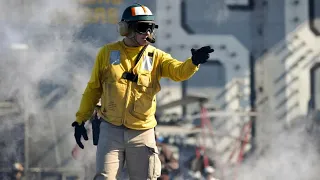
(284, 152)
(37, 52)
(44, 68)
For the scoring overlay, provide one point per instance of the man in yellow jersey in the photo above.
(127, 84)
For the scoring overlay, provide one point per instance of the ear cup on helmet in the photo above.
(123, 28)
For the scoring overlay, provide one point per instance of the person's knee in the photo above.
(149, 166)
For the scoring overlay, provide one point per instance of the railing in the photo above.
(228, 144)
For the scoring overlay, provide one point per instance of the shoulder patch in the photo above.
(114, 57)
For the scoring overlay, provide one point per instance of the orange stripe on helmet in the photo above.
(144, 9)
(133, 11)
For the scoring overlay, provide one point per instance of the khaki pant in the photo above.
(119, 145)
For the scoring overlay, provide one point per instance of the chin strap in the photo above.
(133, 38)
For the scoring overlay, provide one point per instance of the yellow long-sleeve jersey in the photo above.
(123, 102)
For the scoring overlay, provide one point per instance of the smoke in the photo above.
(283, 153)
(44, 70)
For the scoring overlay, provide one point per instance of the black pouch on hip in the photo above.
(95, 129)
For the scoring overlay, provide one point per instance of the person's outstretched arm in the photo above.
(180, 71)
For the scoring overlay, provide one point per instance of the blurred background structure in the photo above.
(251, 112)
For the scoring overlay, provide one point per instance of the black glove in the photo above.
(200, 56)
(79, 130)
